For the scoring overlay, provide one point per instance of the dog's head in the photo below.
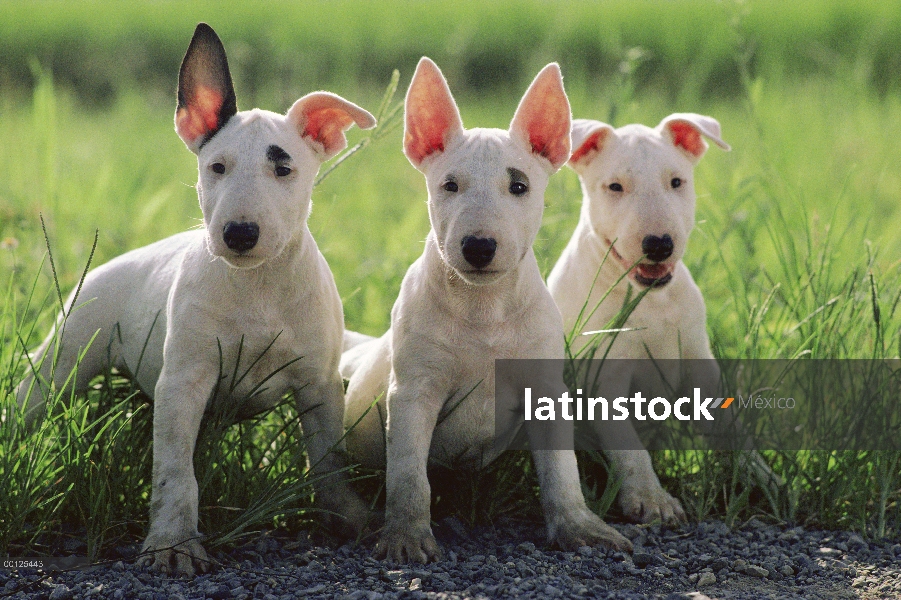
(639, 189)
(256, 168)
(486, 186)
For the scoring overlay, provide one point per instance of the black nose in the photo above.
(478, 251)
(657, 249)
(240, 237)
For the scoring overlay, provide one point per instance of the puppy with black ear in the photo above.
(474, 296)
(251, 283)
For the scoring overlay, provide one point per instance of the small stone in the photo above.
(755, 571)
(706, 579)
(720, 564)
(857, 543)
(61, 592)
(643, 559)
(415, 584)
(220, 592)
(787, 571)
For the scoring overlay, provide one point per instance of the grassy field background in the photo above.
(796, 247)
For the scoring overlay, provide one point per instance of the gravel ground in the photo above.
(697, 561)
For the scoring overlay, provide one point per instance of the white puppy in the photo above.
(251, 282)
(475, 295)
(637, 213)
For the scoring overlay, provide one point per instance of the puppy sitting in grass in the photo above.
(235, 314)
(475, 295)
(637, 212)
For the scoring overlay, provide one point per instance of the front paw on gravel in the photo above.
(179, 560)
(589, 530)
(651, 504)
(405, 546)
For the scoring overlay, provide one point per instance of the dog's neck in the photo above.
(487, 304)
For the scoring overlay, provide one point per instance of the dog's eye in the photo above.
(615, 187)
(450, 186)
(282, 171)
(676, 182)
(218, 168)
(518, 188)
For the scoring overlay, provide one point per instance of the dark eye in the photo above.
(676, 182)
(518, 188)
(218, 168)
(615, 187)
(282, 171)
(450, 186)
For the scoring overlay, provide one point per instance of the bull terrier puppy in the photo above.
(638, 209)
(248, 297)
(475, 295)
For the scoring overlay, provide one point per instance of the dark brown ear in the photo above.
(206, 96)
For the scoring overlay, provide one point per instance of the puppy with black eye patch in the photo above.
(229, 317)
(475, 295)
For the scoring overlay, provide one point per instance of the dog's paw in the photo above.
(584, 528)
(403, 545)
(173, 558)
(649, 502)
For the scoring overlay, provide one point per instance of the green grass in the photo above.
(795, 247)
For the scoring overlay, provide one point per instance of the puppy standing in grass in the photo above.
(252, 282)
(637, 212)
(475, 295)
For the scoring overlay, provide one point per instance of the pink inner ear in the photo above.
(326, 126)
(426, 136)
(543, 117)
(592, 144)
(201, 115)
(548, 126)
(688, 137)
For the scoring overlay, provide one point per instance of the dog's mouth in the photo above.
(646, 274)
(244, 260)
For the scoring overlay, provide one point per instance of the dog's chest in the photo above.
(258, 367)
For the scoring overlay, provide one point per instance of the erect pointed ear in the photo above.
(206, 96)
(589, 139)
(322, 118)
(688, 130)
(431, 118)
(542, 120)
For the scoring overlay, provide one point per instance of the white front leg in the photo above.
(173, 542)
(412, 415)
(321, 408)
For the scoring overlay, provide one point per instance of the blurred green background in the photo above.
(807, 93)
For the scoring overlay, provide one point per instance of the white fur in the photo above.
(671, 319)
(188, 294)
(451, 321)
